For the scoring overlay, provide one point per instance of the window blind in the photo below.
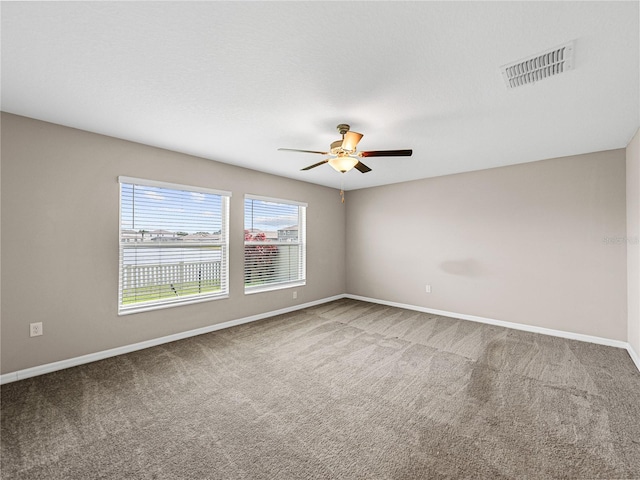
(274, 243)
(173, 244)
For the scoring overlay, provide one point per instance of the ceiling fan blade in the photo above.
(362, 167)
(303, 151)
(350, 141)
(315, 165)
(387, 153)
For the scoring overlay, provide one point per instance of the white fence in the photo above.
(139, 276)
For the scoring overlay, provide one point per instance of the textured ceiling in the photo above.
(233, 81)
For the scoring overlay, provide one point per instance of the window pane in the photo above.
(167, 273)
(274, 244)
(173, 245)
(164, 214)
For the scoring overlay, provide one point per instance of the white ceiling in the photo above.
(233, 81)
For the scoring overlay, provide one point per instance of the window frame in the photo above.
(223, 242)
(302, 242)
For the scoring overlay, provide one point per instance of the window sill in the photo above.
(162, 306)
(270, 288)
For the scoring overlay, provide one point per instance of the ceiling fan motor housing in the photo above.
(336, 147)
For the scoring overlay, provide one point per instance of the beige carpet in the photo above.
(343, 390)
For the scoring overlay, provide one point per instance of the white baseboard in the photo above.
(92, 357)
(634, 356)
(516, 326)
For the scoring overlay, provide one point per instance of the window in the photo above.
(274, 243)
(173, 245)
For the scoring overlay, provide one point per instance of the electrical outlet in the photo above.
(295, 295)
(35, 329)
(427, 288)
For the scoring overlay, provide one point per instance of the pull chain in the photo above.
(342, 188)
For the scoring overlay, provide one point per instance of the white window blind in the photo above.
(173, 244)
(274, 243)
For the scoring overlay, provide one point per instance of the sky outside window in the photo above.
(269, 216)
(157, 208)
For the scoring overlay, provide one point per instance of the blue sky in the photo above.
(269, 216)
(156, 208)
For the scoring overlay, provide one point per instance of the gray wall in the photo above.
(535, 243)
(633, 236)
(60, 241)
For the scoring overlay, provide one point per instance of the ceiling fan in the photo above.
(344, 154)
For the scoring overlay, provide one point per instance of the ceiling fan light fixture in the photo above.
(343, 164)
(350, 141)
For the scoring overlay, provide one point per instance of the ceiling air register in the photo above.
(538, 67)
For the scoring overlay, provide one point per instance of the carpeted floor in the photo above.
(343, 390)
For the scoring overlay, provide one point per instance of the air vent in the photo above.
(538, 67)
